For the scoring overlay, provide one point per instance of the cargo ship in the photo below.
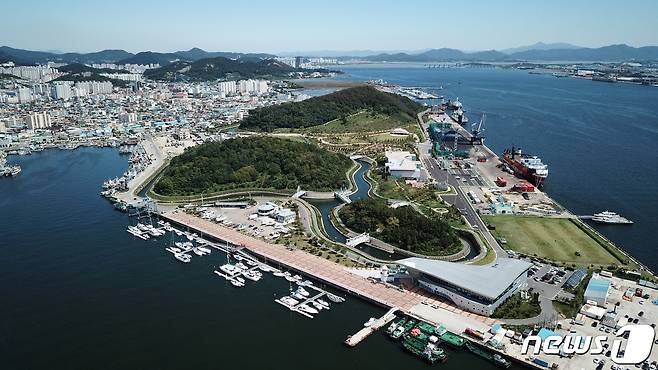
(530, 167)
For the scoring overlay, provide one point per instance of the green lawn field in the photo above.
(362, 122)
(557, 239)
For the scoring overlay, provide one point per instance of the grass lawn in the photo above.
(557, 239)
(362, 122)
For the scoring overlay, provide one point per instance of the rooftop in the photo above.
(488, 281)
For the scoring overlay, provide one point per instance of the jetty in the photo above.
(362, 334)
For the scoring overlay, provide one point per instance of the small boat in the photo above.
(322, 302)
(263, 267)
(289, 301)
(198, 252)
(253, 275)
(306, 308)
(238, 257)
(239, 279)
(369, 322)
(335, 298)
(278, 274)
(241, 266)
(236, 283)
(303, 291)
(182, 257)
(204, 250)
(318, 306)
(298, 296)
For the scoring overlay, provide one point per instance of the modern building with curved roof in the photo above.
(474, 288)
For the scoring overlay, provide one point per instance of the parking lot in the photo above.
(248, 221)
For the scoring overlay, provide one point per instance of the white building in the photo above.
(403, 165)
(24, 95)
(38, 121)
(227, 87)
(252, 86)
(285, 215)
(62, 90)
(478, 289)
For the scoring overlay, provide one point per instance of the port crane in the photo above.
(476, 131)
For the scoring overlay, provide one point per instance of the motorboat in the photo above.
(306, 308)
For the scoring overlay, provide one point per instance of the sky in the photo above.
(287, 26)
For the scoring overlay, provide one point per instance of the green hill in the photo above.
(402, 227)
(256, 162)
(211, 69)
(319, 110)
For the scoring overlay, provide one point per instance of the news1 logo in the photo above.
(638, 346)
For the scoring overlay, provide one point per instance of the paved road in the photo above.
(460, 200)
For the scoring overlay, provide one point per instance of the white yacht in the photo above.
(607, 217)
(228, 268)
(253, 275)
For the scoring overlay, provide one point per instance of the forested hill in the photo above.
(211, 69)
(318, 110)
(255, 162)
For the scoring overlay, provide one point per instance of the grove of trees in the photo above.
(403, 227)
(255, 162)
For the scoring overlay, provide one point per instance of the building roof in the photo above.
(489, 281)
(597, 288)
(576, 278)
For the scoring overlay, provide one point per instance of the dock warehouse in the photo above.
(478, 289)
(597, 290)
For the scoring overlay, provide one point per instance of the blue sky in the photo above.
(276, 26)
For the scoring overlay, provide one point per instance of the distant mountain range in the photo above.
(536, 52)
(541, 46)
(21, 56)
(545, 53)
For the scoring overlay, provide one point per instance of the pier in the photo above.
(310, 265)
(364, 333)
